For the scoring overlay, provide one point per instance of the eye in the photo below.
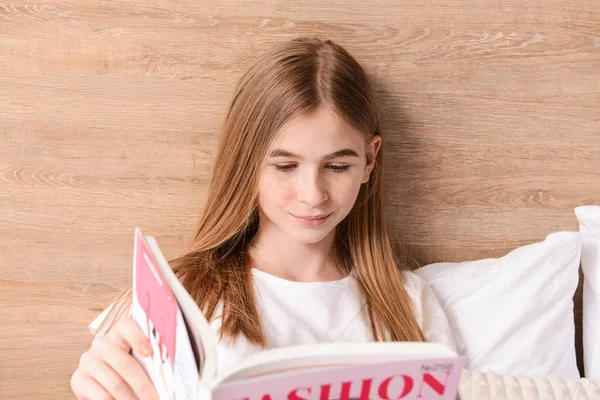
(285, 167)
(339, 168)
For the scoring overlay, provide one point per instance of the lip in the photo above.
(313, 220)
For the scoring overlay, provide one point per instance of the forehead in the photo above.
(322, 131)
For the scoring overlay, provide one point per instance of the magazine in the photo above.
(183, 363)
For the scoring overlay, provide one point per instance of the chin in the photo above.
(310, 237)
(312, 240)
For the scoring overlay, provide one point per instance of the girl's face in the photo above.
(312, 175)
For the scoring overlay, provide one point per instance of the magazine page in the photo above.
(172, 366)
(202, 337)
(332, 354)
(434, 379)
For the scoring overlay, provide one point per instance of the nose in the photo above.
(312, 189)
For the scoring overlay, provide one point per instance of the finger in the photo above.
(125, 366)
(111, 381)
(128, 335)
(86, 388)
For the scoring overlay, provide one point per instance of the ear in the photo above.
(372, 149)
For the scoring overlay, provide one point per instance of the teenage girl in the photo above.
(292, 247)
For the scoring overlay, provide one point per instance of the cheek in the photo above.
(274, 192)
(346, 190)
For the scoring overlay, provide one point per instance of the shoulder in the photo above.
(428, 311)
(425, 302)
(413, 283)
(114, 311)
(416, 288)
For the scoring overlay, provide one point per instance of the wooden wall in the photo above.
(109, 114)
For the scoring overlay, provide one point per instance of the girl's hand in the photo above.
(109, 371)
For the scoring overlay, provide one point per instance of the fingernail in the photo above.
(146, 349)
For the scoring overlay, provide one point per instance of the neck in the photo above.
(278, 254)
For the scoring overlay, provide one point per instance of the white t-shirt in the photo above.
(294, 313)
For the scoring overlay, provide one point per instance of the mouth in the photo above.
(312, 220)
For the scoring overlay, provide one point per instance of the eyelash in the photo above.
(289, 167)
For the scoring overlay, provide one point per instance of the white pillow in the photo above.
(589, 227)
(515, 313)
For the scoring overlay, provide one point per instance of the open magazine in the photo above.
(183, 364)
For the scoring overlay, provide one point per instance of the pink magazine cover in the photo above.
(172, 367)
(436, 379)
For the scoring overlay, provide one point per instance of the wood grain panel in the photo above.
(176, 41)
(110, 111)
(43, 328)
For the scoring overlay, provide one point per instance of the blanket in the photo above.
(492, 386)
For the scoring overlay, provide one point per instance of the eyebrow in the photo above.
(339, 153)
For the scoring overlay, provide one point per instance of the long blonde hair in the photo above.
(293, 78)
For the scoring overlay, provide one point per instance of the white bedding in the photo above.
(492, 386)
